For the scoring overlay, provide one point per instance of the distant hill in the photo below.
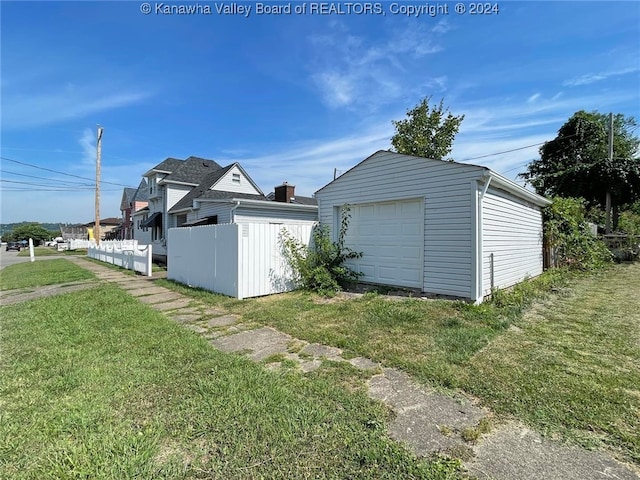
(8, 227)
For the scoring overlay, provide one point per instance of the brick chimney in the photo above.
(284, 193)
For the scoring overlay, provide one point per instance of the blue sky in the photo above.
(290, 97)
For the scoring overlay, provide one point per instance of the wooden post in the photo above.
(96, 230)
(608, 199)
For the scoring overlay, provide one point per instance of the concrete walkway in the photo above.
(426, 421)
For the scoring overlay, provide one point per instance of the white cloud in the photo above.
(533, 98)
(33, 110)
(88, 144)
(354, 72)
(590, 78)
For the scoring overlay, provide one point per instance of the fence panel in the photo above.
(241, 261)
(128, 255)
(204, 257)
(263, 264)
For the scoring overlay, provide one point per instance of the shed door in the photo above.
(391, 237)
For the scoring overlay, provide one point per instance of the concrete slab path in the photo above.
(425, 420)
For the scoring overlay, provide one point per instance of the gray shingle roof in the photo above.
(142, 193)
(168, 165)
(128, 195)
(297, 199)
(304, 200)
(192, 170)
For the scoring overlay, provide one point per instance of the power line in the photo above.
(62, 173)
(516, 149)
(44, 178)
(62, 188)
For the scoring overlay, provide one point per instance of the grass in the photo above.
(569, 366)
(33, 274)
(432, 340)
(97, 385)
(50, 251)
(572, 366)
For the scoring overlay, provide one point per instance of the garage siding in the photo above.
(512, 231)
(445, 188)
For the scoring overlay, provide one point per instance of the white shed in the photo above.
(441, 227)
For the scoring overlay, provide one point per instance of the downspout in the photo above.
(232, 214)
(479, 240)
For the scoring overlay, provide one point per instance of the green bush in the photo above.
(319, 267)
(629, 222)
(567, 232)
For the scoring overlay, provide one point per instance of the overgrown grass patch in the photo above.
(42, 272)
(96, 385)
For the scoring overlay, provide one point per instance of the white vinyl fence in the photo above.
(76, 244)
(241, 261)
(124, 253)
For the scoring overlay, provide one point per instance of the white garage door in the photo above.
(390, 236)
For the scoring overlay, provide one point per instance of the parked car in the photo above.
(13, 246)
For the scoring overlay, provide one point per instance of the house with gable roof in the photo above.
(133, 199)
(196, 191)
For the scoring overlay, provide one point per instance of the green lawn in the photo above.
(50, 251)
(96, 385)
(570, 367)
(49, 272)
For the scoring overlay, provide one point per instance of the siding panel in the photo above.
(512, 232)
(227, 184)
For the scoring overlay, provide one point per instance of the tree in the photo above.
(427, 131)
(31, 230)
(576, 163)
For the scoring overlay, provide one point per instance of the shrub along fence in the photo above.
(239, 260)
(623, 247)
(126, 254)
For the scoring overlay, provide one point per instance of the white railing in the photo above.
(125, 253)
(77, 244)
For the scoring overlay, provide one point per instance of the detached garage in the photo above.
(442, 227)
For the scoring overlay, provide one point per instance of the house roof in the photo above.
(304, 200)
(142, 193)
(300, 200)
(166, 166)
(203, 190)
(484, 172)
(127, 197)
(199, 193)
(106, 221)
(192, 170)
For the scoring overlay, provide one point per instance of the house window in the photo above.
(181, 220)
(235, 178)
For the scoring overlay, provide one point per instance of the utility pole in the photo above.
(608, 198)
(96, 229)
